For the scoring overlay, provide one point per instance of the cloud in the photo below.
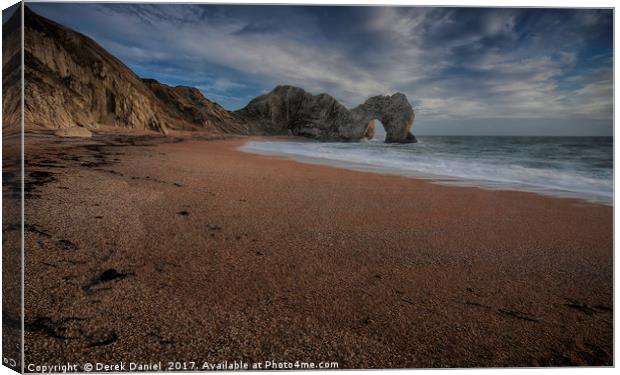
(452, 63)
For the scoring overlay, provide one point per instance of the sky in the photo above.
(466, 71)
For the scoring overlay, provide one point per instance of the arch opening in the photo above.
(375, 131)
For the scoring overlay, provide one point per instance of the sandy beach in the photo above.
(162, 249)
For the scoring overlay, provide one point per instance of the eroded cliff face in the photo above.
(189, 104)
(292, 110)
(72, 81)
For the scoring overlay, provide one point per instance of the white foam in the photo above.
(460, 168)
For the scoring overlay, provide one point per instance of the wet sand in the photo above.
(159, 250)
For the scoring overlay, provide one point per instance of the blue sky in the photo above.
(465, 70)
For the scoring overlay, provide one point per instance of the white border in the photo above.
(463, 3)
(481, 3)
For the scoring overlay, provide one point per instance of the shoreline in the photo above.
(213, 252)
(446, 180)
(443, 180)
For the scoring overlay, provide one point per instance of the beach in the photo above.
(183, 249)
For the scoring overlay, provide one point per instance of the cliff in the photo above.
(189, 104)
(70, 81)
(11, 73)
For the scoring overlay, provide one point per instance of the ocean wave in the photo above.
(542, 165)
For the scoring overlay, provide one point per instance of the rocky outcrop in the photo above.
(189, 104)
(291, 110)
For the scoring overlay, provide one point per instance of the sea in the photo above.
(572, 167)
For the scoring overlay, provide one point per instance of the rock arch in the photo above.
(394, 112)
(292, 110)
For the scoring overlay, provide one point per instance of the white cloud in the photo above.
(451, 64)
